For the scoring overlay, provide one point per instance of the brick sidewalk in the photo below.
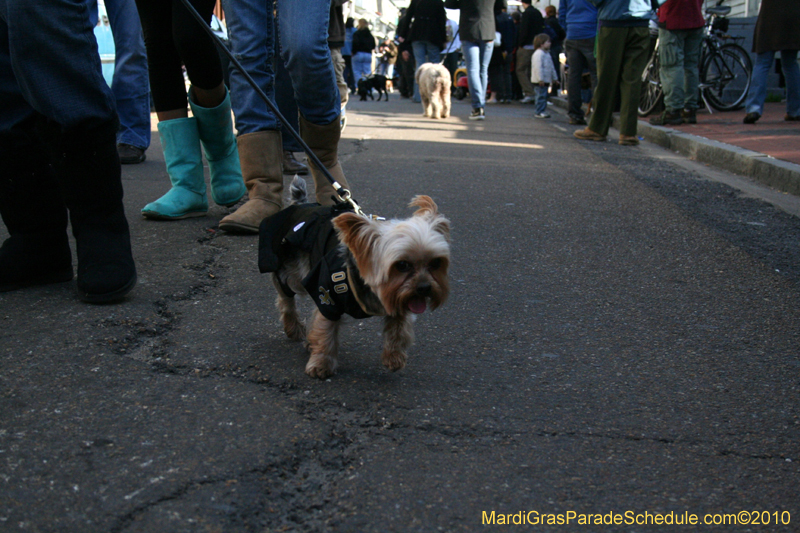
(771, 135)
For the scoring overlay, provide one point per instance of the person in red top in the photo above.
(680, 35)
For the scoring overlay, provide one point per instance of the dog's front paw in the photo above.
(321, 366)
(296, 331)
(394, 361)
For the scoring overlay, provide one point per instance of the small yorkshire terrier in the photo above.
(351, 264)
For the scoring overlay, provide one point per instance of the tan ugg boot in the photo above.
(260, 154)
(324, 142)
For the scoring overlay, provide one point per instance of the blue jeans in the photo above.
(757, 94)
(49, 65)
(679, 55)
(284, 99)
(385, 69)
(362, 65)
(477, 55)
(303, 30)
(424, 52)
(131, 84)
(541, 98)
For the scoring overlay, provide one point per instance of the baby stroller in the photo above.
(461, 83)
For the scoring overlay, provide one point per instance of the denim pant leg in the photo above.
(50, 64)
(758, 83)
(541, 98)
(251, 30)
(791, 71)
(424, 52)
(362, 65)
(284, 99)
(477, 55)
(131, 84)
(486, 57)
(303, 27)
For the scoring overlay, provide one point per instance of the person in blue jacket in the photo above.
(579, 19)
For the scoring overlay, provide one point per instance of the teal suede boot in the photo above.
(187, 198)
(216, 132)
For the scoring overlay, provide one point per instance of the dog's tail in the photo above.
(298, 191)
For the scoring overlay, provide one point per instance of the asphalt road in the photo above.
(622, 337)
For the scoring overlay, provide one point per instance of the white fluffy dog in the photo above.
(434, 89)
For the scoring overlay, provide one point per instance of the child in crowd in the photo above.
(543, 73)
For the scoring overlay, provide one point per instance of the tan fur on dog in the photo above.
(434, 89)
(396, 269)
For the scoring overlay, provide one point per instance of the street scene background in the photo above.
(622, 335)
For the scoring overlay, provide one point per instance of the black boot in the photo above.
(89, 169)
(37, 251)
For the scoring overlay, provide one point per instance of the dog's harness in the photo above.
(308, 227)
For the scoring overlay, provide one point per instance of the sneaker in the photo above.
(577, 121)
(129, 154)
(492, 101)
(689, 116)
(790, 118)
(751, 118)
(541, 115)
(667, 118)
(528, 100)
(588, 135)
(477, 114)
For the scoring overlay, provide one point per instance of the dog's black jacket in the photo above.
(308, 227)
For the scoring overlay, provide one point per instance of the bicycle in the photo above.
(725, 68)
(652, 95)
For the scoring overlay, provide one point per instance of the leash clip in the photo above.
(346, 198)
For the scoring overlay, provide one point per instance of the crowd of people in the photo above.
(64, 132)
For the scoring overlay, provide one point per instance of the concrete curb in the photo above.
(781, 175)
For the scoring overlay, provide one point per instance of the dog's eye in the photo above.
(403, 266)
(435, 264)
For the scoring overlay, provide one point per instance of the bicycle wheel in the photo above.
(725, 80)
(741, 52)
(652, 92)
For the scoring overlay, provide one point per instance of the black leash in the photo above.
(344, 194)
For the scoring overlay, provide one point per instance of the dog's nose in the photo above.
(423, 289)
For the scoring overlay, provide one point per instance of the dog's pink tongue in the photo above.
(417, 306)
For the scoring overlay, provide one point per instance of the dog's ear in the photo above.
(359, 234)
(426, 207)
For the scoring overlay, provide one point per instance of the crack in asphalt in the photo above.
(298, 480)
(291, 487)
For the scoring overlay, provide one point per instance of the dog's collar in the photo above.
(362, 292)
